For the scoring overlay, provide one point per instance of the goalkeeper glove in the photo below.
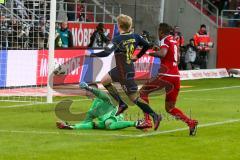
(84, 85)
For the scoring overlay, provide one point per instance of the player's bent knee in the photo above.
(108, 124)
(167, 110)
(106, 80)
(169, 106)
(142, 93)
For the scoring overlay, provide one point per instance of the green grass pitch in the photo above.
(29, 132)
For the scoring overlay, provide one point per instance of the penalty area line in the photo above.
(119, 135)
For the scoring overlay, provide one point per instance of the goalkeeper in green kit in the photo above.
(104, 111)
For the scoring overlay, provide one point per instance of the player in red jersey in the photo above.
(168, 77)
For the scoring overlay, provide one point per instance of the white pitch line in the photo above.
(202, 90)
(196, 90)
(210, 89)
(13, 101)
(210, 99)
(32, 104)
(186, 128)
(119, 135)
(19, 105)
(60, 133)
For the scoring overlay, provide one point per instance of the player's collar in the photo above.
(165, 37)
(125, 33)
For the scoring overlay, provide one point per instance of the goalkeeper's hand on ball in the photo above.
(84, 85)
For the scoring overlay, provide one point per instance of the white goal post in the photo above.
(51, 51)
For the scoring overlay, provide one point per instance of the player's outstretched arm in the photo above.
(97, 92)
(145, 46)
(107, 51)
(160, 54)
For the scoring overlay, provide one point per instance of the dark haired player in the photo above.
(168, 77)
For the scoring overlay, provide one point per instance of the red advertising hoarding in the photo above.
(143, 66)
(82, 32)
(72, 62)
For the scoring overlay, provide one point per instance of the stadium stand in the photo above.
(223, 12)
(25, 24)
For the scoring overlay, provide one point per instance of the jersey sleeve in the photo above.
(101, 95)
(111, 47)
(145, 45)
(141, 41)
(164, 44)
(92, 38)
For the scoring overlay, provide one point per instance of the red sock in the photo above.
(179, 114)
(144, 97)
(147, 117)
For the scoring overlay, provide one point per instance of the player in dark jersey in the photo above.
(123, 47)
(168, 77)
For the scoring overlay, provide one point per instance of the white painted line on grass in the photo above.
(186, 128)
(210, 99)
(19, 105)
(210, 89)
(78, 133)
(32, 104)
(16, 101)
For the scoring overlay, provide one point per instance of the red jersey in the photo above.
(169, 64)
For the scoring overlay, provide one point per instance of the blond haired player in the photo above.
(123, 47)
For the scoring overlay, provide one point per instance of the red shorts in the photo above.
(170, 84)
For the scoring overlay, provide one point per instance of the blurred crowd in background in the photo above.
(225, 4)
(229, 5)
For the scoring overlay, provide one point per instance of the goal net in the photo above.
(24, 33)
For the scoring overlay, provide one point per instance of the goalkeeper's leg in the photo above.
(89, 125)
(113, 124)
(83, 125)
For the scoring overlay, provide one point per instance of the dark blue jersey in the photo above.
(124, 46)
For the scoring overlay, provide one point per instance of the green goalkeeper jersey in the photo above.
(102, 108)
